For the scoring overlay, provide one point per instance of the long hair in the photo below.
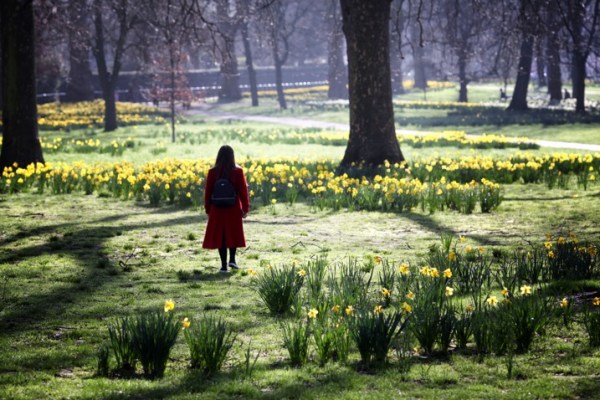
(225, 162)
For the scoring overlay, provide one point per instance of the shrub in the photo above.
(121, 343)
(209, 339)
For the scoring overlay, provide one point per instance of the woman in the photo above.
(225, 229)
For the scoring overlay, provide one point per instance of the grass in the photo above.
(69, 264)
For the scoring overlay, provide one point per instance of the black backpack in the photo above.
(223, 194)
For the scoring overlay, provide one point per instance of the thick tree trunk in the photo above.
(578, 75)
(279, 80)
(462, 77)
(372, 137)
(418, 60)
(110, 109)
(249, 63)
(519, 97)
(80, 86)
(553, 54)
(230, 77)
(20, 140)
(540, 62)
(336, 72)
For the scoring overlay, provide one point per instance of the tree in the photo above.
(372, 137)
(553, 45)
(244, 12)
(20, 139)
(228, 24)
(336, 75)
(80, 85)
(529, 25)
(581, 18)
(122, 19)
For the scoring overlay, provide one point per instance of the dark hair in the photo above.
(225, 162)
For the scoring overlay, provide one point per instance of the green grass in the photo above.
(69, 264)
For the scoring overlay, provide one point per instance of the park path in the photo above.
(310, 123)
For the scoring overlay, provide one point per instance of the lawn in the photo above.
(71, 264)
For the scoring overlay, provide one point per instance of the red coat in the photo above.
(224, 227)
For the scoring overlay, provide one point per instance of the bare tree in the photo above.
(553, 46)
(245, 13)
(113, 22)
(20, 139)
(336, 74)
(80, 85)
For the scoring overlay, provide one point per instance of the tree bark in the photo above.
(279, 77)
(519, 97)
(249, 62)
(372, 137)
(553, 54)
(336, 75)
(80, 85)
(578, 75)
(540, 62)
(21, 143)
(230, 76)
(462, 77)
(418, 60)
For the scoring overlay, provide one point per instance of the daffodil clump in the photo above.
(570, 258)
(90, 114)
(60, 145)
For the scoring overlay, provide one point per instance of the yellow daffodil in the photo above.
(349, 310)
(312, 313)
(434, 273)
(469, 308)
(336, 309)
(492, 301)
(410, 295)
(378, 309)
(377, 259)
(448, 273)
(302, 273)
(525, 290)
(449, 291)
(404, 269)
(169, 305)
(407, 308)
(185, 323)
(385, 292)
(505, 292)
(452, 256)
(596, 301)
(564, 303)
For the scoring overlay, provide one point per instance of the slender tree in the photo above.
(372, 137)
(553, 46)
(336, 74)
(20, 140)
(243, 9)
(80, 85)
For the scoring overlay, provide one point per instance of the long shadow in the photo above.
(38, 305)
(435, 227)
(550, 198)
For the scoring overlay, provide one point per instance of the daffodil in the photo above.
(449, 291)
(492, 301)
(448, 273)
(410, 295)
(302, 273)
(336, 309)
(596, 301)
(564, 303)
(169, 305)
(349, 310)
(404, 269)
(452, 256)
(378, 309)
(525, 290)
(312, 313)
(505, 292)
(407, 308)
(185, 323)
(385, 292)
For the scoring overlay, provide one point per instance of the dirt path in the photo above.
(309, 123)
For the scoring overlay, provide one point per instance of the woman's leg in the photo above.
(232, 256)
(223, 255)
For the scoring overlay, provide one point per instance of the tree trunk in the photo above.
(110, 109)
(279, 77)
(540, 62)
(578, 76)
(553, 54)
(372, 137)
(519, 97)
(80, 85)
(462, 77)
(249, 63)
(336, 75)
(418, 60)
(21, 143)
(230, 77)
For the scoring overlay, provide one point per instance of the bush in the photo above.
(121, 343)
(373, 333)
(295, 340)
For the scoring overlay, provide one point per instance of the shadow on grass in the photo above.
(483, 116)
(86, 246)
(229, 385)
(551, 198)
